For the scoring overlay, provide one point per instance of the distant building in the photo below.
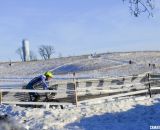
(26, 50)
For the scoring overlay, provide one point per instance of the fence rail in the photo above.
(37, 91)
(115, 96)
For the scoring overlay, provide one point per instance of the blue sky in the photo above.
(75, 27)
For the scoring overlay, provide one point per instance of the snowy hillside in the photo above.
(123, 113)
(107, 64)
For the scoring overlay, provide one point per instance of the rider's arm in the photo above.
(44, 84)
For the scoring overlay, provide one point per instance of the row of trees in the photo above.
(45, 51)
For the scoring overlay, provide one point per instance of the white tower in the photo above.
(26, 50)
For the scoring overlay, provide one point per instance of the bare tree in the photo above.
(138, 7)
(19, 51)
(33, 56)
(46, 51)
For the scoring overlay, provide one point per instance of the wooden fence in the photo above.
(81, 91)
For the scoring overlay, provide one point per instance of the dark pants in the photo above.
(34, 97)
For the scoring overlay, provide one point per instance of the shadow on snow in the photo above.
(138, 118)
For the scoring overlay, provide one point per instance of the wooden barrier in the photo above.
(31, 103)
(37, 103)
(38, 91)
(114, 96)
(108, 79)
(149, 86)
(0, 97)
(146, 81)
(119, 90)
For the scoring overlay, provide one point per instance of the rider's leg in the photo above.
(37, 97)
(46, 97)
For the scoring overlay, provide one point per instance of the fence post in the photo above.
(149, 86)
(75, 88)
(0, 97)
(47, 106)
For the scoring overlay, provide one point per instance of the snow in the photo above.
(108, 64)
(127, 113)
(130, 113)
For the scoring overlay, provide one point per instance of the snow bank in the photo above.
(129, 113)
(7, 123)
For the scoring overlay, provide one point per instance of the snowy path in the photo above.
(122, 63)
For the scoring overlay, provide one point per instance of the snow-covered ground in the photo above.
(126, 114)
(107, 64)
